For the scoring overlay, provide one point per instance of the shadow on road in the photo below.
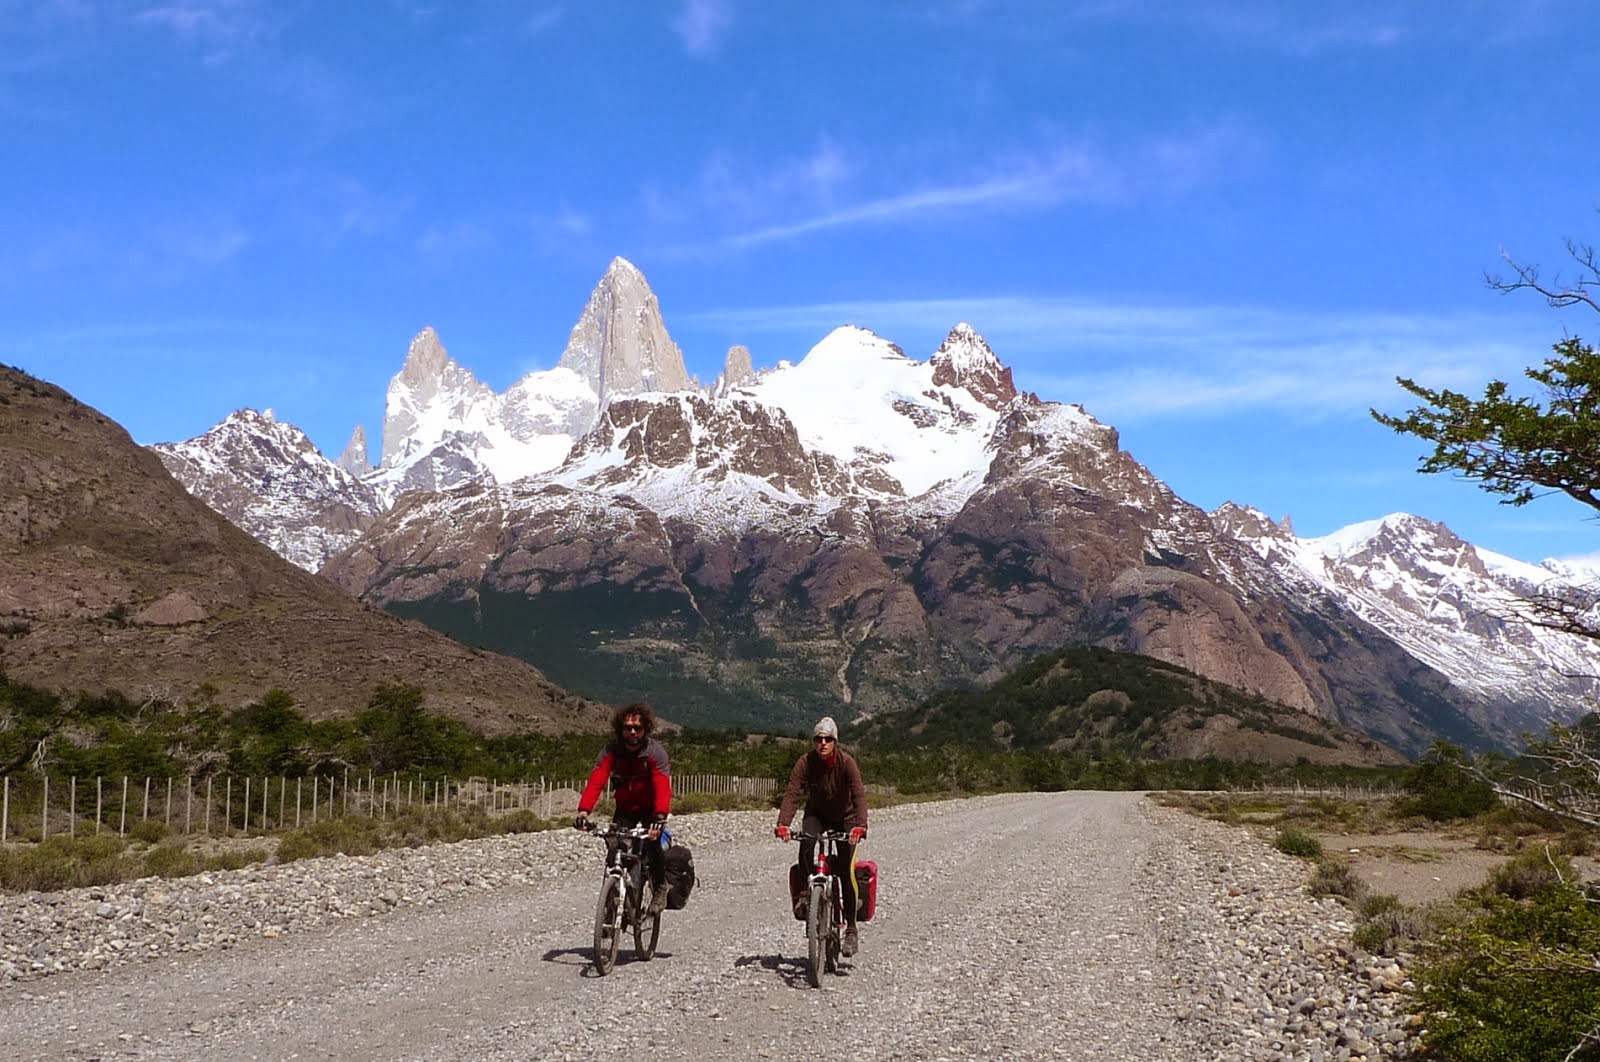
(584, 958)
(793, 971)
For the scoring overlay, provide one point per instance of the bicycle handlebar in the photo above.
(825, 835)
(611, 829)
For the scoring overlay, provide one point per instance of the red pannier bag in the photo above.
(866, 889)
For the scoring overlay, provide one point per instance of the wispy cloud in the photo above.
(1135, 362)
(701, 25)
(837, 188)
(218, 27)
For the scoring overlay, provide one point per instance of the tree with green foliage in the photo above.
(1443, 787)
(1520, 981)
(401, 735)
(28, 718)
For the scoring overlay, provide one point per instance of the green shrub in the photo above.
(1516, 982)
(65, 863)
(169, 861)
(351, 835)
(1527, 875)
(1298, 843)
(1333, 877)
(1389, 926)
(148, 830)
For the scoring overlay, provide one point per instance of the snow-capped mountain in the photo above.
(269, 480)
(861, 526)
(1465, 611)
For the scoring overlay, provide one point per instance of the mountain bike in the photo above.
(624, 898)
(824, 905)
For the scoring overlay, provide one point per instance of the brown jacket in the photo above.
(834, 791)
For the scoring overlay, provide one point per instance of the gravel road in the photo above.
(1062, 926)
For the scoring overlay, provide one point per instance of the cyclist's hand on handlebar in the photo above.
(655, 831)
(581, 822)
(858, 834)
(781, 832)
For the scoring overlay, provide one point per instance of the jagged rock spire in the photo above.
(964, 360)
(354, 459)
(736, 370)
(429, 386)
(620, 344)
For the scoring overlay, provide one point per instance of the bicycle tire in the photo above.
(646, 928)
(835, 920)
(607, 925)
(816, 935)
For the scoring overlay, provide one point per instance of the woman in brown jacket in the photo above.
(836, 799)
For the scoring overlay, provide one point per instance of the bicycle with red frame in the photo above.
(824, 905)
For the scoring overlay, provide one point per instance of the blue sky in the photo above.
(1224, 228)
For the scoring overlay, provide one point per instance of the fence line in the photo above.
(331, 796)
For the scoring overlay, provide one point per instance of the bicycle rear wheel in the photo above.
(817, 929)
(607, 925)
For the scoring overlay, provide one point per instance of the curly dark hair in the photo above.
(646, 715)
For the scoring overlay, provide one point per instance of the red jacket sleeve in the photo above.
(597, 782)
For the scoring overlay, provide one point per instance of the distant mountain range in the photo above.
(858, 529)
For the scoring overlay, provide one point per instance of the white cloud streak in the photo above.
(701, 25)
(1134, 363)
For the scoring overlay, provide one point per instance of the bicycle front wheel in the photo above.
(817, 929)
(835, 920)
(646, 929)
(607, 925)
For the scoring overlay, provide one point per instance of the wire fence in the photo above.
(38, 807)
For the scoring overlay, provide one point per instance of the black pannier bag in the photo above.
(680, 876)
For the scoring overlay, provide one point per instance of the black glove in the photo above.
(581, 822)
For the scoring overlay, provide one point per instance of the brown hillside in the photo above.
(113, 576)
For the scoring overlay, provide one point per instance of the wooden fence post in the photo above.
(247, 805)
(167, 818)
(266, 787)
(72, 807)
(122, 815)
(98, 803)
(227, 809)
(145, 812)
(297, 784)
(208, 805)
(44, 821)
(188, 804)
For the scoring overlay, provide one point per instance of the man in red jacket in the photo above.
(836, 799)
(643, 787)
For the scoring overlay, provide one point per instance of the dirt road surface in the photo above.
(1043, 926)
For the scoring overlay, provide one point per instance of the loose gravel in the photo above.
(1070, 926)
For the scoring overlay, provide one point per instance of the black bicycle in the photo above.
(624, 898)
(824, 905)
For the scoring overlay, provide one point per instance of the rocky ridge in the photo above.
(112, 576)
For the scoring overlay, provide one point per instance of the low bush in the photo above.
(1333, 877)
(1526, 875)
(1298, 843)
(66, 863)
(170, 861)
